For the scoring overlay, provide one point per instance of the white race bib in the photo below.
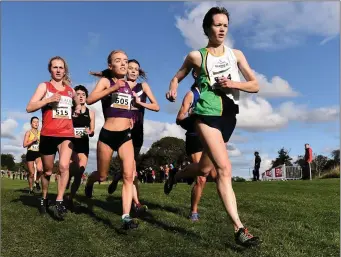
(121, 101)
(80, 132)
(34, 147)
(214, 75)
(62, 112)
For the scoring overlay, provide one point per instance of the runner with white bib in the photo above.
(215, 112)
(84, 127)
(55, 99)
(116, 96)
(142, 91)
(31, 142)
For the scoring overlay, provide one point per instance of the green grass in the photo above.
(294, 218)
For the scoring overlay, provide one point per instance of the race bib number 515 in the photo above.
(62, 113)
(121, 101)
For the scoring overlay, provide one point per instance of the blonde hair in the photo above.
(66, 78)
(114, 52)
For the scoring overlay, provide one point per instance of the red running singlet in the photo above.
(57, 117)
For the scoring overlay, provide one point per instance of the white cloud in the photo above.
(8, 128)
(267, 25)
(303, 114)
(256, 114)
(277, 87)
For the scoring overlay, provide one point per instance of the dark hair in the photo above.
(256, 152)
(107, 72)
(82, 88)
(142, 73)
(34, 117)
(208, 19)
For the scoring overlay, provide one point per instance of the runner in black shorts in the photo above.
(31, 141)
(193, 145)
(141, 91)
(217, 67)
(84, 127)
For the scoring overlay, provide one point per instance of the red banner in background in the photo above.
(268, 173)
(278, 172)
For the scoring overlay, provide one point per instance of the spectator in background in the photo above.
(153, 175)
(258, 160)
(308, 158)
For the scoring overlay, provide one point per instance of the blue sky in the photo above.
(295, 57)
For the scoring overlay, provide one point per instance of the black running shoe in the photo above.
(58, 210)
(244, 238)
(129, 223)
(170, 182)
(37, 186)
(43, 206)
(140, 208)
(88, 190)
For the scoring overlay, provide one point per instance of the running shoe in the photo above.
(140, 208)
(129, 223)
(43, 206)
(170, 182)
(244, 238)
(88, 190)
(58, 210)
(194, 216)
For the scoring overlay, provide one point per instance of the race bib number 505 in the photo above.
(121, 101)
(61, 113)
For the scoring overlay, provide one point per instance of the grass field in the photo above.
(297, 218)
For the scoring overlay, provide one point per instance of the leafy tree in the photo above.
(283, 158)
(300, 161)
(336, 156)
(8, 161)
(164, 151)
(319, 163)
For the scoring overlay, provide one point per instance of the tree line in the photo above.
(171, 150)
(319, 165)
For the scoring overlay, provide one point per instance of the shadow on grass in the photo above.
(114, 205)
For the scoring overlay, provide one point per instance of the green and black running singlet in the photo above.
(213, 101)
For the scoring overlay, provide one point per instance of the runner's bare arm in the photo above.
(37, 101)
(27, 142)
(102, 89)
(186, 103)
(186, 67)
(153, 105)
(251, 84)
(190, 62)
(92, 123)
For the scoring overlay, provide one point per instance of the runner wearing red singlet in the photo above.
(55, 98)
